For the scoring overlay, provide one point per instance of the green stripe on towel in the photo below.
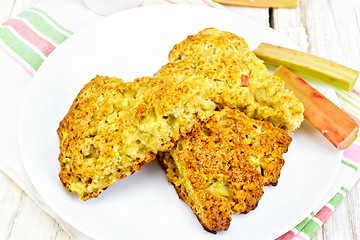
(336, 199)
(20, 48)
(44, 27)
(349, 165)
(311, 228)
(304, 222)
(345, 190)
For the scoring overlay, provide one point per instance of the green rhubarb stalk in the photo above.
(261, 3)
(338, 127)
(310, 65)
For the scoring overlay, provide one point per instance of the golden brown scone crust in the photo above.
(220, 168)
(240, 80)
(113, 128)
(93, 133)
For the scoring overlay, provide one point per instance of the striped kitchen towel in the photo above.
(29, 38)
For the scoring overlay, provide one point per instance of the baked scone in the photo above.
(94, 133)
(113, 128)
(220, 168)
(240, 79)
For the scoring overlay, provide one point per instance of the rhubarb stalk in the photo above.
(310, 65)
(338, 127)
(261, 3)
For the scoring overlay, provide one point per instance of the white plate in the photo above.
(136, 43)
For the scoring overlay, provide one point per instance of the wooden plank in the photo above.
(344, 223)
(261, 3)
(21, 218)
(329, 29)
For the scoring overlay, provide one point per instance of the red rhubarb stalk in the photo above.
(338, 127)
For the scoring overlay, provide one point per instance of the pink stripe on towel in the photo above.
(352, 153)
(30, 36)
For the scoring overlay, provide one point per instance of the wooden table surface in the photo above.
(327, 28)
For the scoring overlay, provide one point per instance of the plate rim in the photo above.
(105, 19)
